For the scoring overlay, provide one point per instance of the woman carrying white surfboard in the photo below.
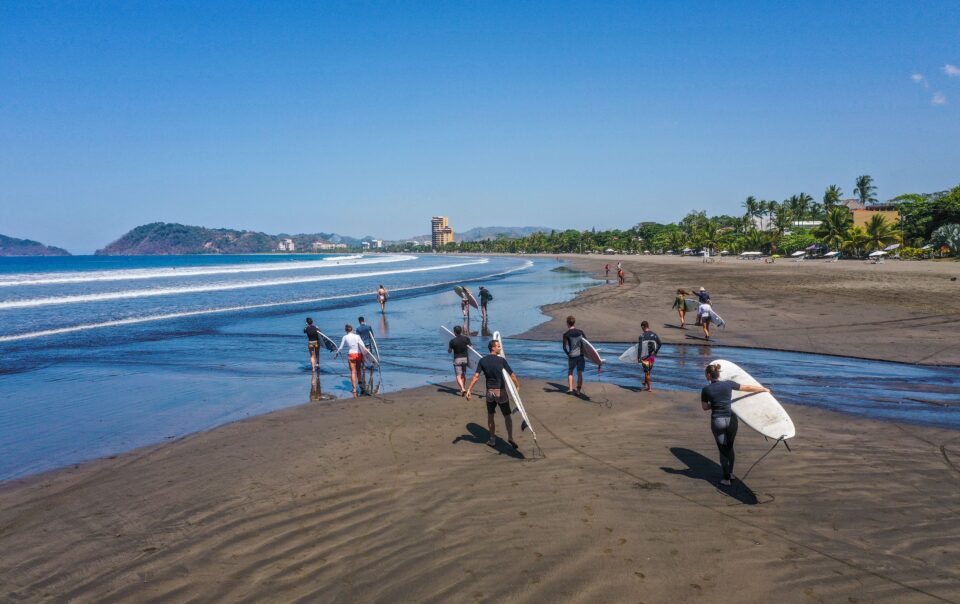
(717, 397)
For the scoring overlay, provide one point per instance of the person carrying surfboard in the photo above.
(366, 334)
(382, 297)
(492, 366)
(680, 303)
(465, 304)
(647, 349)
(485, 298)
(573, 346)
(313, 344)
(705, 316)
(459, 345)
(355, 348)
(717, 397)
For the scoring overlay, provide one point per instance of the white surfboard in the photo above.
(496, 336)
(514, 395)
(473, 357)
(368, 357)
(592, 354)
(759, 410)
(329, 344)
(373, 347)
(632, 354)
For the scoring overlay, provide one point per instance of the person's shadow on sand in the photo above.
(479, 435)
(556, 388)
(703, 468)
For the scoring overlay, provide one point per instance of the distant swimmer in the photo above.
(460, 347)
(703, 314)
(606, 270)
(366, 334)
(485, 298)
(382, 297)
(717, 397)
(313, 343)
(492, 366)
(680, 303)
(573, 346)
(649, 346)
(355, 347)
(621, 277)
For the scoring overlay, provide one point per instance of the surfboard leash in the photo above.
(769, 451)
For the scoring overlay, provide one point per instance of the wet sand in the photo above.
(898, 311)
(399, 499)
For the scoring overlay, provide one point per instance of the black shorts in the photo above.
(577, 363)
(497, 398)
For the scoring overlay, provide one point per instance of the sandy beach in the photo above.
(397, 498)
(897, 311)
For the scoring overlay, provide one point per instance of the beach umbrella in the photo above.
(929, 246)
(798, 253)
(813, 246)
(891, 247)
(877, 253)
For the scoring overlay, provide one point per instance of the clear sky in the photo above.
(368, 118)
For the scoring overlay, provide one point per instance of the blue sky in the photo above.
(368, 118)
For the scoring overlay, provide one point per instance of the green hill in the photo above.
(10, 246)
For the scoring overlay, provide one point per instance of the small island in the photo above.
(11, 246)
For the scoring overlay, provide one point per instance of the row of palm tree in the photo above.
(802, 206)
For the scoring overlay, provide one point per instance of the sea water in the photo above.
(100, 355)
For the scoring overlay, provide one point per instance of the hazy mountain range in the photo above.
(165, 238)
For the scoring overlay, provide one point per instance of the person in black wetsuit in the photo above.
(485, 298)
(573, 346)
(313, 343)
(460, 347)
(366, 334)
(492, 367)
(649, 341)
(717, 397)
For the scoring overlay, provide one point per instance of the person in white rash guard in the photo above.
(355, 348)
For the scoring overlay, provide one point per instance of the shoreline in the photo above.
(799, 301)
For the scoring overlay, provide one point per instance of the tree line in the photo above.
(798, 222)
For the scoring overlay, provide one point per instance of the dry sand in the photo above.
(400, 500)
(899, 311)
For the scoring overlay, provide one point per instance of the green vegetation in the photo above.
(767, 226)
(11, 246)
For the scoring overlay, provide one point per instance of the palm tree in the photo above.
(833, 229)
(865, 189)
(781, 218)
(880, 232)
(766, 208)
(803, 205)
(755, 241)
(752, 207)
(856, 239)
(832, 196)
(677, 241)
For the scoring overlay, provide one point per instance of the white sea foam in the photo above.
(193, 313)
(192, 271)
(171, 291)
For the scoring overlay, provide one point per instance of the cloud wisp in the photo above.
(939, 99)
(919, 79)
(951, 70)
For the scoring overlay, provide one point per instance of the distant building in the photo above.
(365, 245)
(377, 243)
(441, 232)
(862, 214)
(323, 245)
(286, 245)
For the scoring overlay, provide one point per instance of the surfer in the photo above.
(485, 298)
(355, 347)
(382, 297)
(703, 295)
(465, 304)
(680, 304)
(313, 344)
(649, 345)
(366, 334)
(704, 315)
(717, 397)
(492, 367)
(573, 346)
(606, 270)
(460, 346)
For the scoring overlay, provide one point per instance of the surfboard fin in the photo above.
(523, 426)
